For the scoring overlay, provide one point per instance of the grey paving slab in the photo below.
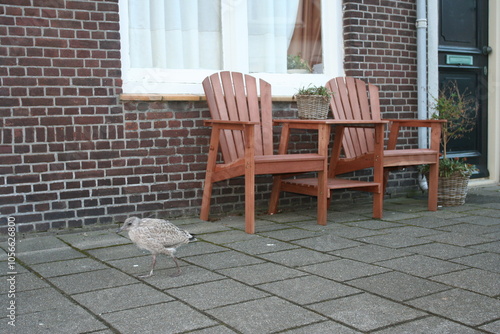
(344, 270)
(94, 239)
(398, 286)
(214, 294)
(414, 231)
(117, 252)
(227, 237)
(366, 312)
(261, 246)
(121, 298)
(93, 280)
(214, 330)
(430, 325)
(442, 251)
(49, 255)
(421, 266)
(70, 319)
(463, 306)
(477, 280)
(298, 257)
(261, 273)
(376, 224)
(432, 220)
(323, 328)
(38, 243)
(492, 247)
(266, 315)
(473, 229)
(171, 317)
(352, 232)
(23, 282)
(371, 253)
(291, 234)
(308, 289)
(486, 261)
(395, 240)
(222, 260)
(32, 301)
(190, 275)
(458, 239)
(493, 327)
(327, 243)
(66, 267)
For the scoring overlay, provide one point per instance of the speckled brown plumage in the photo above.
(157, 236)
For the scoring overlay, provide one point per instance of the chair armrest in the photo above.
(416, 122)
(229, 125)
(434, 124)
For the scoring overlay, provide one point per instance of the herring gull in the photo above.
(157, 236)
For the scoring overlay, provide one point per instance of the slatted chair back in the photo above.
(353, 99)
(234, 96)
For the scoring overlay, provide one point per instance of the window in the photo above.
(170, 46)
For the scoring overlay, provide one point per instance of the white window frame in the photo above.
(166, 81)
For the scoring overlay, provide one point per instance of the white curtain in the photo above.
(187, 34)
(270, 30)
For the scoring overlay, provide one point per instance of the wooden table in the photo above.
(326, 180)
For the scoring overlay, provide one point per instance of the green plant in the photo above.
(314, 90)
(459, 109)
(295, 62)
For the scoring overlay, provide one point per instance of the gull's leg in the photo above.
(178, 268)
(153, 263)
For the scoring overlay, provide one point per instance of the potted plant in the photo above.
(295, 64)
(459, 109)
(313, 102)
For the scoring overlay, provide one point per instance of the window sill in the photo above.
(182, 97)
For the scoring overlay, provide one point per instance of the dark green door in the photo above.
(463, 58)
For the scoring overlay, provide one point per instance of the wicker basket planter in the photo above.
(312, 106)
(452, 190)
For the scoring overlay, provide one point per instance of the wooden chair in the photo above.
(243, 130)
(353, 148)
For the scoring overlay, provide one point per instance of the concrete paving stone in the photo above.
(394, 240)
(66, 267)
(38, 300)
(370, 253)
(261, 273)
(345, 217)
(70, 319)
(117, 252)
(432, 220)
(5, 268)
(473, 229)
(141, 265)
(323, 328)
(298, 257)
(308, 289)
(366, 312)
(38, 243)
(326, 243)
(351, 232)
(397, 286)
(290, 234)
(414, 231)
(23, 282)
(121, 298)
(344, 270)
(374, 224)
(492, 247)
(171, 317)
(490, 213)
(49, 255)
(430, 325)
(463, 306)
(288, 217)
(260, 246)
(486, 261)
(202, 227)
(421, 266)
(215, 294)
(95, 239)
(221, 238)
(493, 327)
(458, 239)
(267, 315)
(190, 275)
(442, 251)
(93, 280)
(214, 330)
(228, 259)
(477, 280)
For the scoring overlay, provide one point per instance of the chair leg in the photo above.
(433, 187)
(207, 194)
(275, 195)
(250, 203)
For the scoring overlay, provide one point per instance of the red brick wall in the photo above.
(72, 154)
